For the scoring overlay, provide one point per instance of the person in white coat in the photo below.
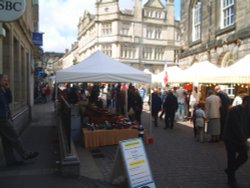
(212, 109)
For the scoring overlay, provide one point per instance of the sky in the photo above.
(58, 20)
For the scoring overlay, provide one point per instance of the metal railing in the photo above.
(65, 115)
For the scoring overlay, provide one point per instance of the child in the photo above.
(199, 123)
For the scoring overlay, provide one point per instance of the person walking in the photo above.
(163, 97)
(236, 138)
(181, 98)
(136, 103)
(199, 125)
(156, 107)
(212, 109)
(10, 138)
(47, 92)
(170, 106)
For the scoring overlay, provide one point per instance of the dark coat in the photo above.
(5, 100)
(156, 103)
(225, 103)
(170, 104)
(137, 103)
(237, 128)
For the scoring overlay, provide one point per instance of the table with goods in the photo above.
(105, 128)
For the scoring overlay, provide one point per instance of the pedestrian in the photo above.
(137, 105)
(10, 139)
(163, 97)
(225, 104)
(238, 98)
(212, 109)
(194, 100)
(108, 99)
(47, 92)
(181, 98)
(199, 125)
(156, 107)
(170, 107)
(236, 138)
(120, 100)
(142, 92)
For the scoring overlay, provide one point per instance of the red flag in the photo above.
(165, 79)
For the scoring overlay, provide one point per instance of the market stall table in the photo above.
(103, 137)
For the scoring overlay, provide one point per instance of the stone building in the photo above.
(18, 55)
(49, 62)
(217, 31)
(144, 37)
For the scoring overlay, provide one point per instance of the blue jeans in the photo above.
(181, 110)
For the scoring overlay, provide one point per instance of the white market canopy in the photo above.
(239, 72)
(99, 67)
(175, 75)
(202, 72)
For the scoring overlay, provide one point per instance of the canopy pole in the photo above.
(150, 116)
(126, 101)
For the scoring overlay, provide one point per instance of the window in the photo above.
(153, 32)
(125, 29)
(147, 53)
(227, 11)
(128, 51)
(159, 53)
(157, 33)
(149, 32)
(196, 24)
(107, 29)
(107, 49)
(158, 14)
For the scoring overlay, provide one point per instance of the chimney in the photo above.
(138, 9)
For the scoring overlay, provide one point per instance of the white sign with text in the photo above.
(11, 10)
(136, 164)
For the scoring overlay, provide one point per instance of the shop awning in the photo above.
(202, 72)
(239, 72)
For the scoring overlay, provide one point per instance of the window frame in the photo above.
(196, 20)
(227, 12)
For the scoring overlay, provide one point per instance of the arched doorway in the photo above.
(226, 59)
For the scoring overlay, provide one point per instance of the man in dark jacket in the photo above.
(236, 135)
(170, 106)
(10, 138)
(225, 103)
(156, 106)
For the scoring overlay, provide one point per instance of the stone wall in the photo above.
(220, 46)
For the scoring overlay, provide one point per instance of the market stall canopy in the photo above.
(239, 72)
(202, 72)
(175, 75)
(99, 67)
(153, 76)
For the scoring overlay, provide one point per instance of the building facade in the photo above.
(144, 37)
(49, 62)
(217, 31)
(18, 55)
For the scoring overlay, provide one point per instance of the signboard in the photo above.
(37, 38)
(11, 10)
(136, 164)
